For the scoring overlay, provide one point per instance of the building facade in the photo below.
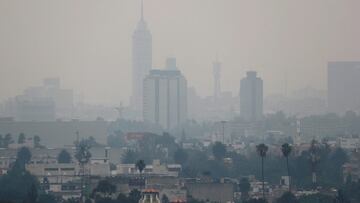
(251, 97)
(141, 60)
(165, 98)
(343, 83)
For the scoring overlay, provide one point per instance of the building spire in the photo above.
(142, 10)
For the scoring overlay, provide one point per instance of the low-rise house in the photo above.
(349, 143)
(210, 191)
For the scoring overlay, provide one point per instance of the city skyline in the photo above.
(93, 40)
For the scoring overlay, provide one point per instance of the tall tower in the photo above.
(217, 75)
(141, 60)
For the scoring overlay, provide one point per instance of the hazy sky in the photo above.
(88, 42)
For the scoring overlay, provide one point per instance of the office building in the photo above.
(165, 98)
(251, 97)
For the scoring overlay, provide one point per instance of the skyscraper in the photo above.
(343, 86)
(141, 60)
(217, 72)
(165, 98)
(251, 97)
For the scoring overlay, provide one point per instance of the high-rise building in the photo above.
(165, 98)
(343, 86)
(217, 72)
(251, 97)
(141, 60)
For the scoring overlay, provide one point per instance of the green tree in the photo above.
(21, 138)
(47, 198)
(287, 197)
(165, 199)
(180, 156)
(32, 196)
(23, 157)
(256, 201)
(1, 141)
(341, 197)
(134, 196)
(314, 160)
(140, 165)
(121, 198)
(244, 187)
(316, 198)
(8, 140)
(286, 150)
(262, 150)
(37, 140)
(18, 185)
(219, 150)
(105, 188)
(64, 157)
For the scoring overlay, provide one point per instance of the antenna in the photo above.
(142, 9)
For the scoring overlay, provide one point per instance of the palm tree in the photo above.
(314, 160)
(262, 150)
(140, 165)
(286, 150)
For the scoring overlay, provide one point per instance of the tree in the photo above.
(134, 196)
(64, 157)
(316, 198)
(32, 194)
(219, 150)
(286, 150)
(165, 199)
(314, 160)
(262, 150)
(256, 201)
(122, 198)
(180, 156)
(23, 157)
(18, 185)
(287, 197)
(140, 165)
(244, 187)
(83, 154)
(21, 138)
(37, 141)
(341, 198)
(106, 188)
(8, 140)
(1, 141)
(47, 198)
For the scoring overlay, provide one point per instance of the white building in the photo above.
(156, 168)
(165, 98)
(251, 97)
